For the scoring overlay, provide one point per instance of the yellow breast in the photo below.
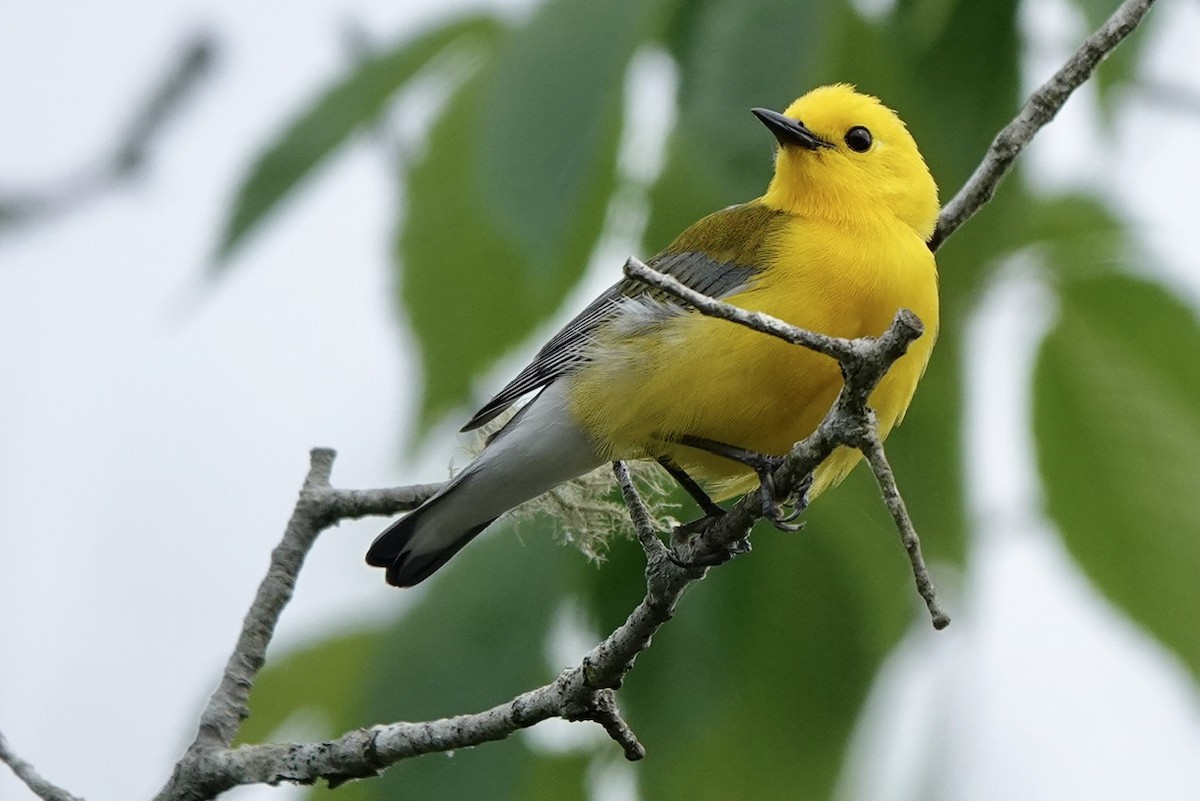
(714, 379)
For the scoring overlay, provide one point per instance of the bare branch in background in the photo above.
(189, 68)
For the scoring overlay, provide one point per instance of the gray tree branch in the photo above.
(199, 772)
(189, 68)
(1039, 109)
(834, 347)
(33, 780)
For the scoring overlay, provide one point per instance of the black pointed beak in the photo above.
(789, 132)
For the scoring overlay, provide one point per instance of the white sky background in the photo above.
(154, 434)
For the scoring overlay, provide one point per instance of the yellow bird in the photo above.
(837, 244)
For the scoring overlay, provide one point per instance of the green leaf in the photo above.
(924, 61)
(507, 206)
(1117, 419)
(549, 777)
(349, 105)
(925, 455)
(551, 111)
(469, 287)
(732, 57)
(923, 21)
(465, 287)
(685, 191)
(953, 99)
(1078, 235)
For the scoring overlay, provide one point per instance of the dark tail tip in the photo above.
(405, 568)
(390, 545)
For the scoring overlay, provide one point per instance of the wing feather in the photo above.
(718, 256)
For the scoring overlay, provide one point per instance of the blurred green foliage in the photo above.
(1117, 418)
(754, 688)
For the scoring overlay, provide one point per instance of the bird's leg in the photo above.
(706, 504)
(764, 465)
(712, 513)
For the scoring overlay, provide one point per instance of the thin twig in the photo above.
(317, 508)
(604, 711)
(872, 449)
(1041, 107)
(33, 780)
(353, 504)
(835, 347)
(639, 514)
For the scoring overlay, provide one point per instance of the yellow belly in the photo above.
(714, 379)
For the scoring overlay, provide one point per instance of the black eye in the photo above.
(858, 139)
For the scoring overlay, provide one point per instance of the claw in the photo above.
(798, 506)
(804, 487)
(782, 524)
(771, 508)
(797, 510)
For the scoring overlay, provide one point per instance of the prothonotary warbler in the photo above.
(837, 244)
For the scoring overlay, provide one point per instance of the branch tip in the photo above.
(24, 771)
(908, 325)
(320, 469)
(603, 710)
(872, 449)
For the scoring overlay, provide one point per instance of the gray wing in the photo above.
(567, 351)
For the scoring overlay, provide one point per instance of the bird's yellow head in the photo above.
(845, 156)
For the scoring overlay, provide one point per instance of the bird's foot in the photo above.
(764, 466)
(772, 506)
(781, 513)
(684, 532)
(711, 559)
